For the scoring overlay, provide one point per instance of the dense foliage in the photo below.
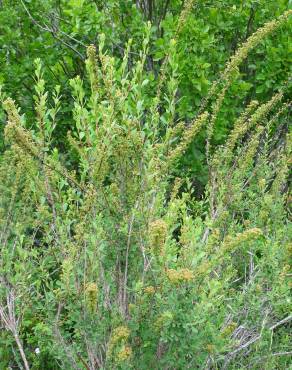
(144, 185)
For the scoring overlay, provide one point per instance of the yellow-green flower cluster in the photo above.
(117, 346)
(231, 243)
(157, 236)
(150, 290)
(10, 108)
(254, 40)
(247, 159)
(184, 15)
(179, 276)
(124, 354)
(15, 132)
(262, 184)
(210, 347)
(91, 64)
(285, 272)
(229, 329)
(240, 126)
(231, 69)
(121, 333)
(91, 294)
(91, 53)
(176, 186)
(283, 169)
(187, 138)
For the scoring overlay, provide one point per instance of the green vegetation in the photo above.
(144, 185)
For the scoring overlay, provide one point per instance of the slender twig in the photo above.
(53, 32)
(67, 350)
(284, 321)
(282, 353)
(254, 339)
(130, 229)
(11, 324)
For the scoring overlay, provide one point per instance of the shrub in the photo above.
(110, 261)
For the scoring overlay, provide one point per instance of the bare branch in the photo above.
(284, 321)
(53, 33)
(8, 317)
